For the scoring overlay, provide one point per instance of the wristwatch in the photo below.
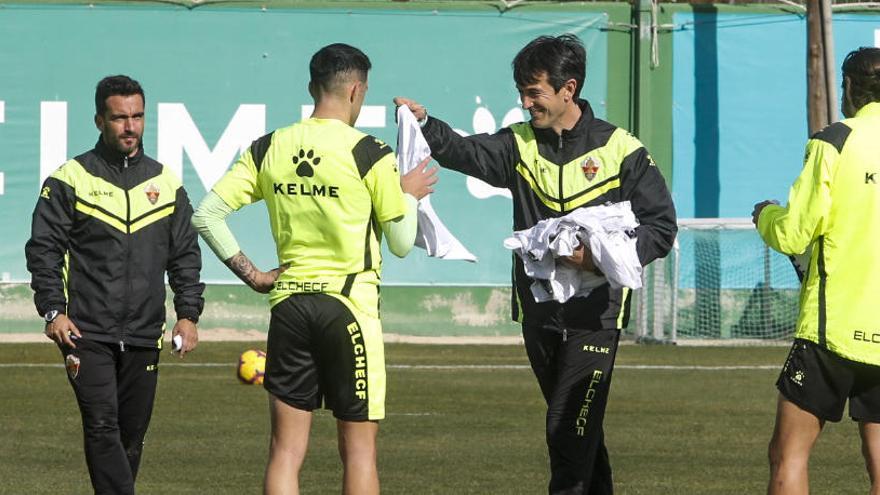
(51, 315)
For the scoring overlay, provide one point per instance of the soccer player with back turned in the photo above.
(833, 214)
(331, 192)
(108, 225)
(562, 159)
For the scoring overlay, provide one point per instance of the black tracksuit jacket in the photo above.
(106, 229)
(497, 160)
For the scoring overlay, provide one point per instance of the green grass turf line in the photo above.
(449, 431)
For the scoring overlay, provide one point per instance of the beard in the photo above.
(127, 143)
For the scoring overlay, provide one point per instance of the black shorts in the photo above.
(820, 382)
(322, 349)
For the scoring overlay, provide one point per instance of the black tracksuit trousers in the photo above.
(573, 368)
(115, 390)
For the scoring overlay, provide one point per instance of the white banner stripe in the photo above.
(53, 136)
(455, 366)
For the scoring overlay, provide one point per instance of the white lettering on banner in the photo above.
(53, 136)
(2, 183)
(371, 116)
(178, 133)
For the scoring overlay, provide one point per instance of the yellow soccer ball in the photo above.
(252, 366)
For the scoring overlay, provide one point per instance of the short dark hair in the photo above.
(115, 85)
(333, 61)
(862, 67)
(561, 57)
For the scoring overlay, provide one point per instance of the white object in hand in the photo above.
(176, 343)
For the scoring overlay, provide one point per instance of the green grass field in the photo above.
(448, 431)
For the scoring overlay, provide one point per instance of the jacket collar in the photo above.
(579, 129)
(114, 157)
(872, 108)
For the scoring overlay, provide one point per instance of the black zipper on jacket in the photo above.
(126, 293)
(559, 193)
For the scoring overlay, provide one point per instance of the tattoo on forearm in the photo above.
(242, 267)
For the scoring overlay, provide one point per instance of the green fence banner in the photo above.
(217, 78)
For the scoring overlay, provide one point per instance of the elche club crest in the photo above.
(591, 166)
(152, 192)
(71, 362)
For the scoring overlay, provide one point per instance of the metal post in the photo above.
(659, 281)
(821, 89)
(642, 324)
(676, 268)
(828, 56)
(643, 54)
(766, 289)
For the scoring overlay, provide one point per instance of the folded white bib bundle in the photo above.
(609, 233)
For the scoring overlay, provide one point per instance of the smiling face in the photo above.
(122, 123)
(548, 108)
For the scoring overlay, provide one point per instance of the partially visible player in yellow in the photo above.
(833, 213)
(331, 192)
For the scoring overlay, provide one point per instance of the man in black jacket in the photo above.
(564, 159)
(107, 227)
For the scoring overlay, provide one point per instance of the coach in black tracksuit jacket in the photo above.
(107, 227)
(564, 159)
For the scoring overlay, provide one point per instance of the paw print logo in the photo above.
(304, 163)
(798, 377)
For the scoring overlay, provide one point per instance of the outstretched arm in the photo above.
(488, 157)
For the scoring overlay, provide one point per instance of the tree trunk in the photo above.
(821, 87)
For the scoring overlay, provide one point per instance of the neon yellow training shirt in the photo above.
(327, 186)
(834, 210)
